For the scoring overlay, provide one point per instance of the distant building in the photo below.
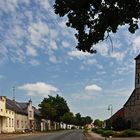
(132, 106)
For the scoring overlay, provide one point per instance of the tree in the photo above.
(88, 120)
(61, 107)
(54, 108)
(68, 118)
(98, 123)
(95, 19)
(48, 109)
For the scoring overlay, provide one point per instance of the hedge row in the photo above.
(125, 133)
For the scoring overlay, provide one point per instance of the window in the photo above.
(12, 122)
(7, 119)
(9, 122)
(22, 123)
(17, 123)
(30, 114)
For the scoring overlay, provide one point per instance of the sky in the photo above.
(38, 57)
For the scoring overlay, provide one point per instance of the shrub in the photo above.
(129, 133)
(108, 133)
(98, 130)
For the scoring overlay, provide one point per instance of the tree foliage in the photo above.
(98, 123)
(95, 19)
(54, 108)
(68, 118)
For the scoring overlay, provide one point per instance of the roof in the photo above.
(17, 107)
(119, 113)
(130, 97)
(138, 57)
(20, 107)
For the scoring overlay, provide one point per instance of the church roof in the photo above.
(138, 57)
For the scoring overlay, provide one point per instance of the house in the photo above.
(132, 106)
(18, 117)
(7, 117)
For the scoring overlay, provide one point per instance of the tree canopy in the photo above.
(95, 19)
(54, 108)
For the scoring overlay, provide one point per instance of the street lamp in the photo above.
(110, 108)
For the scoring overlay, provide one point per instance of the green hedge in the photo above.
(125, 133)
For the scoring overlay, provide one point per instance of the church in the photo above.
(132, 106)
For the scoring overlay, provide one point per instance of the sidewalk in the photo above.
(12, 136)
(94, 136)
(7, 136)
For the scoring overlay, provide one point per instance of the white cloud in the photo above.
(83, 97)
(92, 62)
(53, 59)
(34, 62)
(136, 44)
(93, 88)
(31, 51)
(45, 4)
(102, 49)
(8, 5)
(119, 56)
(39, 89)
(79, 54)
(65, 44)
(53, 45)
(37, 31)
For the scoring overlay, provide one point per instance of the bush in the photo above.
(129, 133)
(108, 133)
(98, 130)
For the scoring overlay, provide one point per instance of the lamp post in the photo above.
(110, 108)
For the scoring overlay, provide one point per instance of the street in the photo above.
(62, 135)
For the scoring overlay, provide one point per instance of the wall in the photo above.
(21, 122)
(8, 122)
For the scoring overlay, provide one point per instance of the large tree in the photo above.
(54, 108)
(95, 19)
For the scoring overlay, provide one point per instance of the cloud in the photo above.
(93, 88)
(119, 56)
(83, 97)
(102, 49)
(79, 54)
(31, 51)
(39, 89)
(91, 62)
(136, 44)
(34, 62)
(37, 31)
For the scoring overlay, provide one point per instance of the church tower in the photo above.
(132, 106)
(137, 72)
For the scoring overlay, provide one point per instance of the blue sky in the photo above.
(38, 57)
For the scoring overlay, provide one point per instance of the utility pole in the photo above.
(13, 93)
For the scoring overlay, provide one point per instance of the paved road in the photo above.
(63, 135)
